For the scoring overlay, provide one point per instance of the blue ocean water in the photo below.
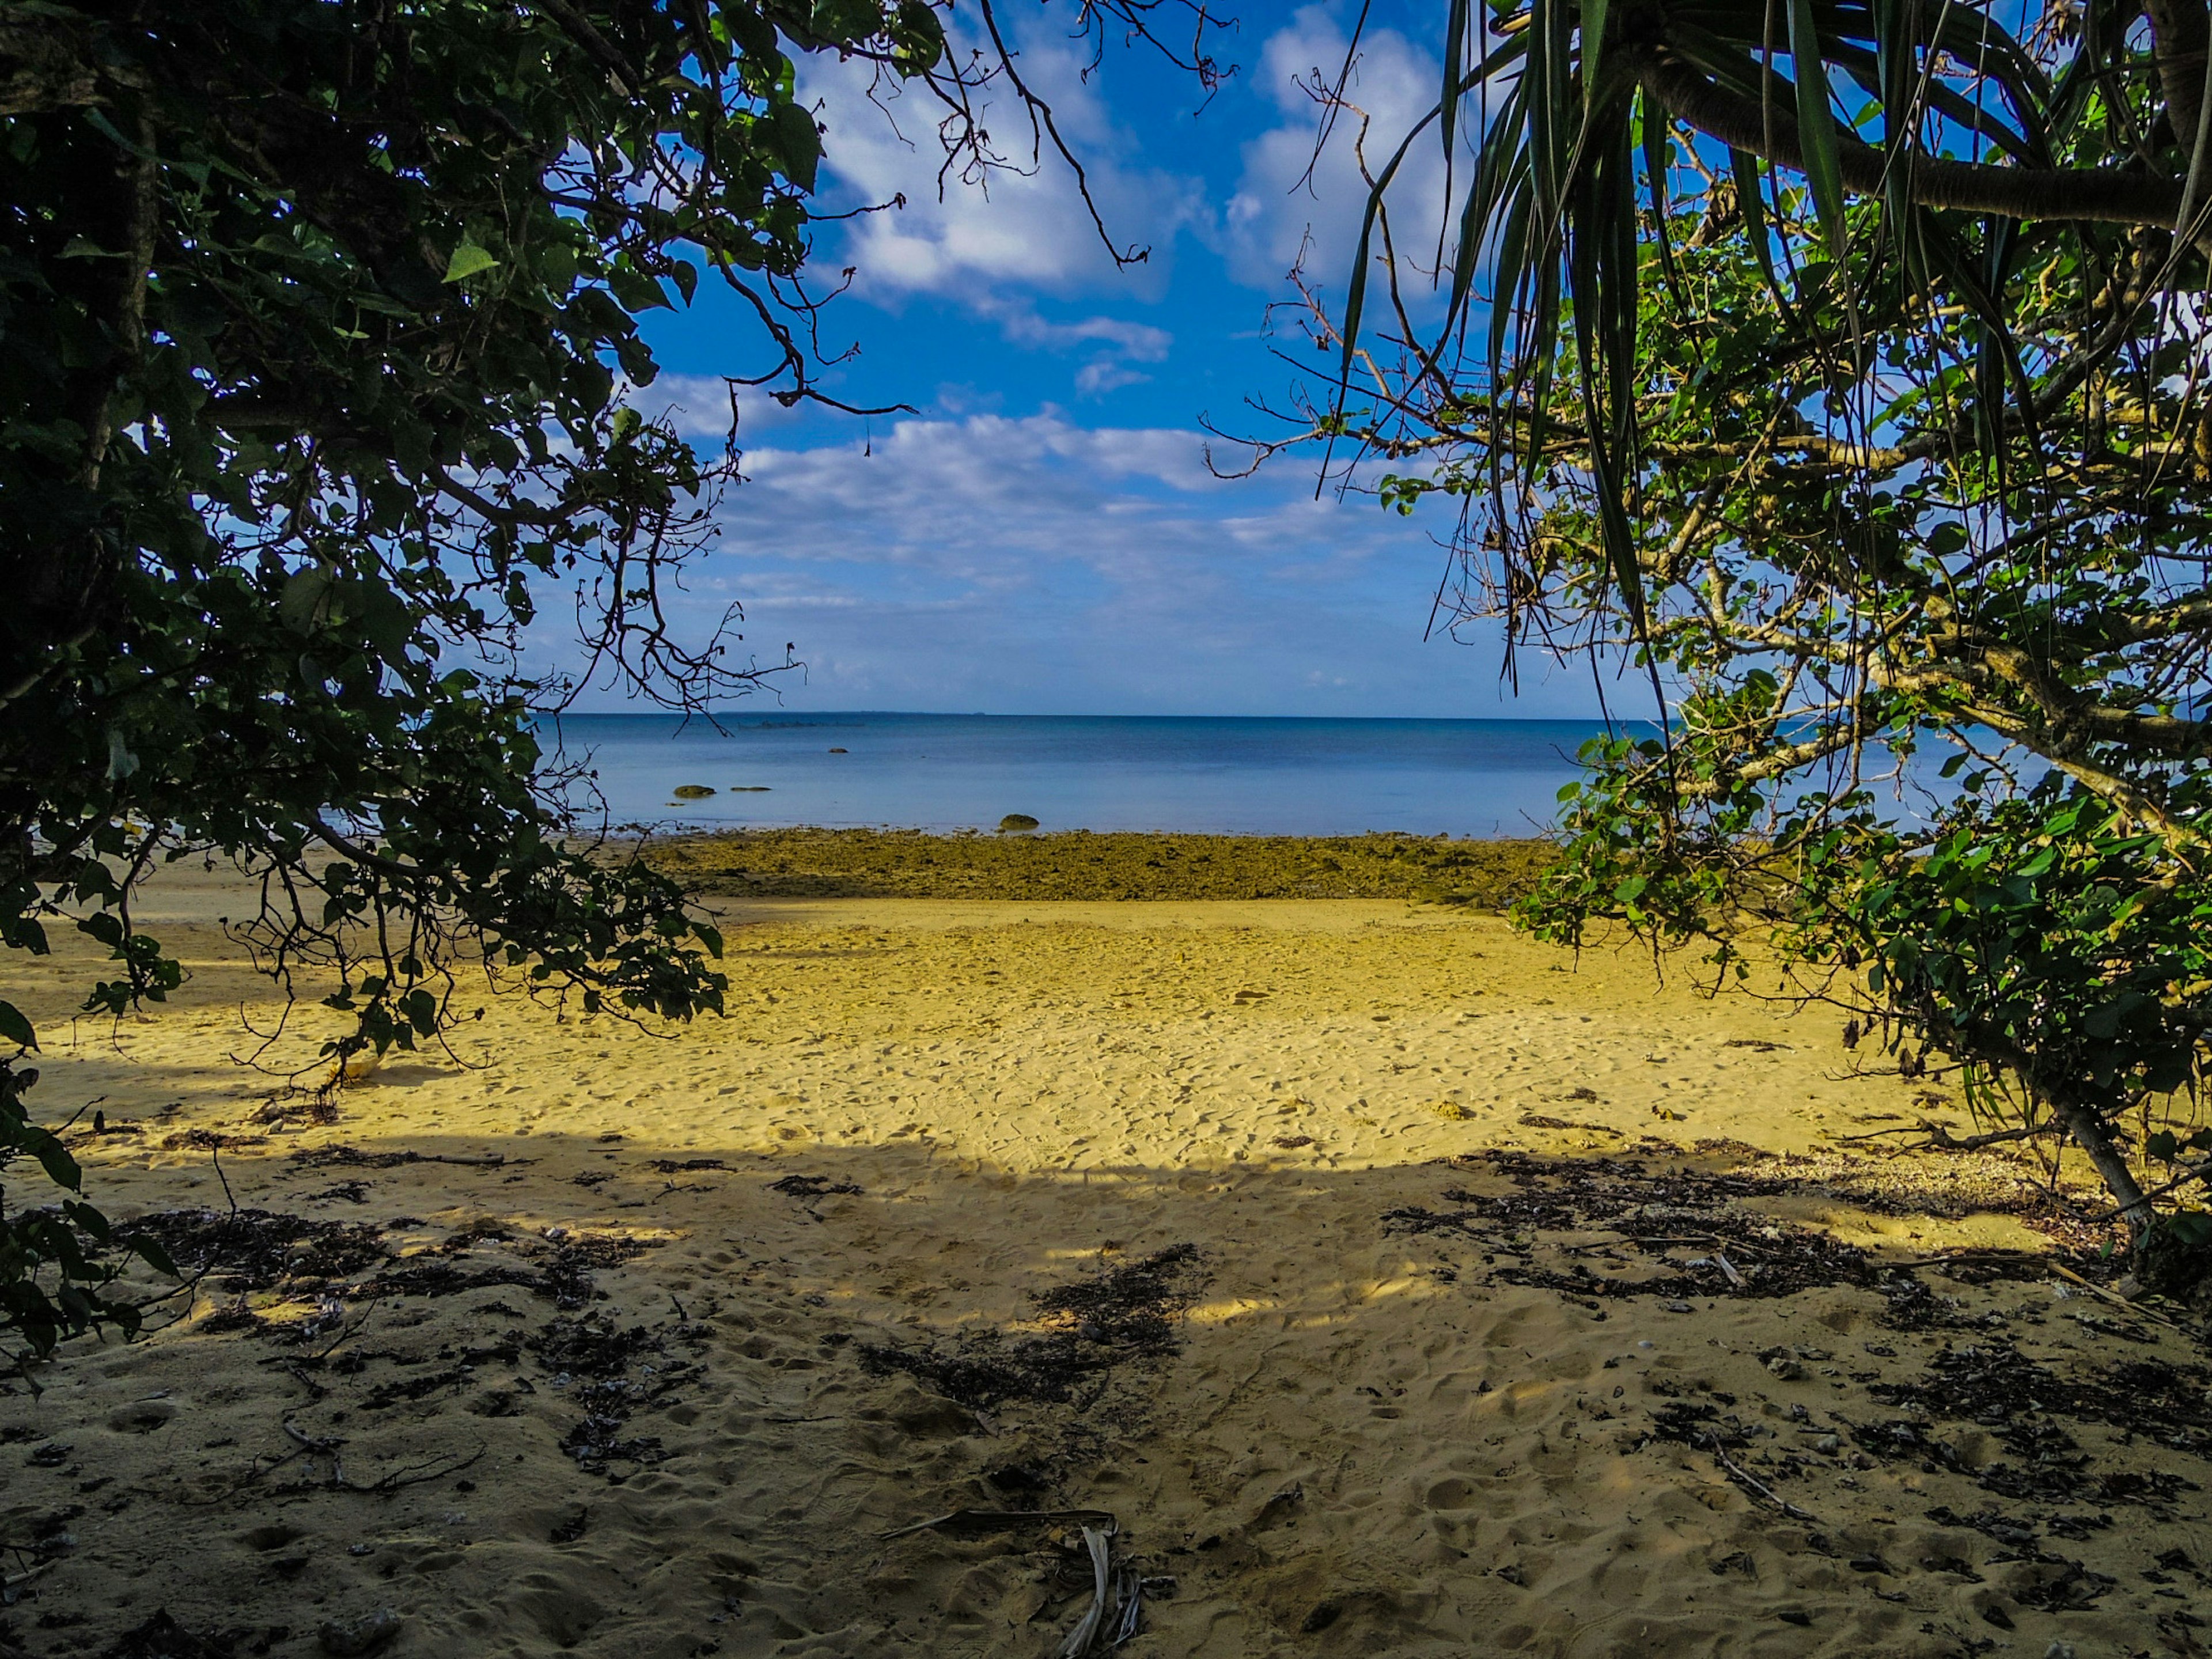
(943, 772)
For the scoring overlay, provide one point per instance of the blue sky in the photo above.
(1042, 535)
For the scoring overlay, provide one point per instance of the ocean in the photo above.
(946, 772)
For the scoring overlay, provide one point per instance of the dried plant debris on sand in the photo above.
(1670, 1235)
(1680, 1232)
(163, 1638)
(243, 1250)
(1127, 1312)
(1078, 865)
(250, 1251)
(2024, 1404)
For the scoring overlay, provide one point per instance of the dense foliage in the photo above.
(317, 319)
(1842, 380)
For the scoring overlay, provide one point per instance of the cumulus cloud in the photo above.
(698, 407)
(992, 562)
(995, 242)
(1021, 225)
(1291, 202)
(1140, 341)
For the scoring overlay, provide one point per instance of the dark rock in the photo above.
(351, 1637)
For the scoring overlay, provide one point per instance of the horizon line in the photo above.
(749, 713)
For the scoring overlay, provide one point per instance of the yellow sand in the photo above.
(1362, 1426)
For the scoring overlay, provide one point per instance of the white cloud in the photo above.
(1025, 224)
(1097, 379)
(698, 407)
(994, 243)
(1140, 341)
(1288, 198)
(1032, 563)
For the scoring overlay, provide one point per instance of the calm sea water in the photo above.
(1301, 777)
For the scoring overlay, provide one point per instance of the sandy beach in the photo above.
(1396, 1285)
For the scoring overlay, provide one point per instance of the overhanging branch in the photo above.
(1770, 131)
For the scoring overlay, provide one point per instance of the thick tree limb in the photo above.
(1770, 130)
(2179, 30)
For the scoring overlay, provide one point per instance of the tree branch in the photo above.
(1770, 130)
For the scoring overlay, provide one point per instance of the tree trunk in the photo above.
(2089, 1134)
(1770, 130)
(2178, 31)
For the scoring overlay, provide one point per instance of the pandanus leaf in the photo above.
(1751, 201)
(1816, 124)
(1454, 54)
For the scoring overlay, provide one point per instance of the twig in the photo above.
(2114, 1298)
(1941, 1139)
(384, 1486)
(1962, 1255)
(2195, 1172)
(434, 1469)
(351, 1331)
(1003, 1520)
(1743, 1478)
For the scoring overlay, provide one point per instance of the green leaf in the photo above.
(637, 291)
(1816, 123)
(149, 1251)
(53, 1157)
(469, 259)
(15, 1028)
(304, 602)
(1751, 201)
(1593, 42)
(846, 23)
(798, 144)
(1456, 22)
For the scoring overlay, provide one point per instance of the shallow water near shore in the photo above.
(1211, 775)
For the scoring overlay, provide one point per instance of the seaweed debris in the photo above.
(1995, 1385)
(261, 1250)
(799, 1186)
(352, 1157)
(1996, 1388)
(1659, 1216)
(1117, 865)
(1126, 1313)
(558, 1267)
(599, 1358)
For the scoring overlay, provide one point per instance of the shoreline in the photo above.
(1121, 865)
